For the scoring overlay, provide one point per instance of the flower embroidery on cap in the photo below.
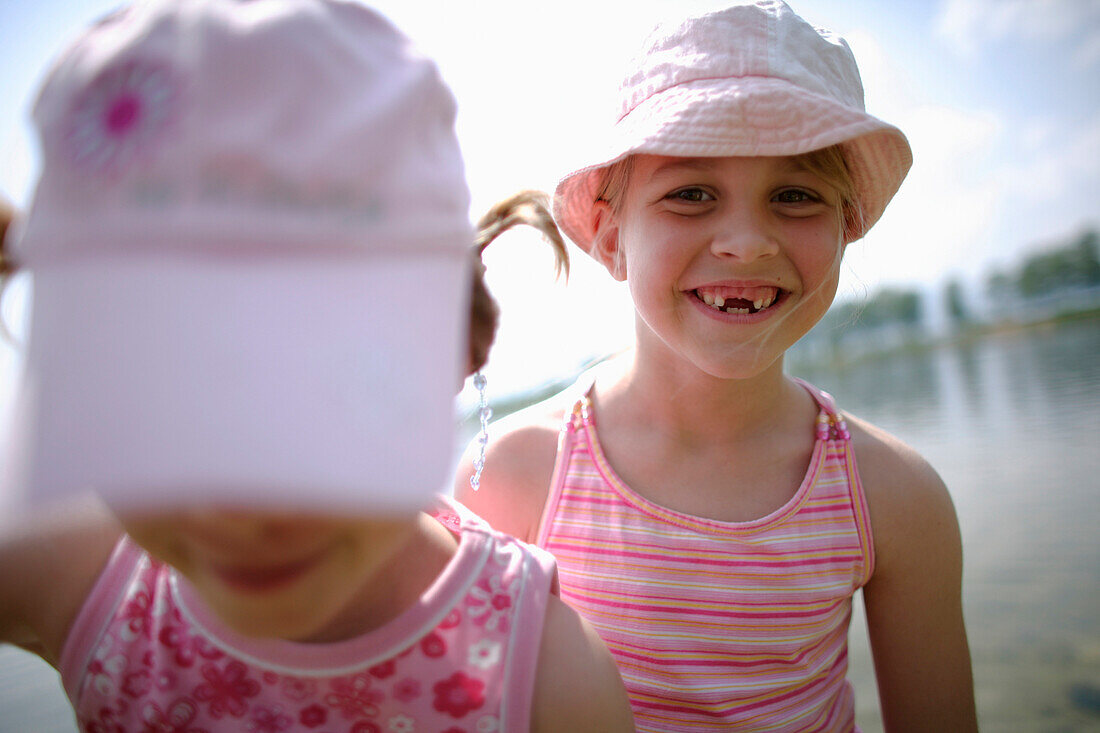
(120, 115)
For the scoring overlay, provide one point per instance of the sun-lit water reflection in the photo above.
(1011, 423)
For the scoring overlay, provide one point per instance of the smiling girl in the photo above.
(711, 516)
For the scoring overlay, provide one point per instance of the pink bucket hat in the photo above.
(250, 248)
(749, 80)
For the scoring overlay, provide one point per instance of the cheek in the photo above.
(819, 263)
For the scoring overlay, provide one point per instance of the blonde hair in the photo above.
(7, 264)
(828, 164)
(7, 215)
(526, 207)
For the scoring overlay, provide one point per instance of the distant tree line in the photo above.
(885, 306)
(1073, 265)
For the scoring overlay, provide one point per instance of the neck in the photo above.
(679, 399)
(398, 583)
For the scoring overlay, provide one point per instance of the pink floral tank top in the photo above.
(146, 655)
(717, 625)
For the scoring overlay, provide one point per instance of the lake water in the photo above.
(1011, 422)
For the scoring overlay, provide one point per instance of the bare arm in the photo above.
(914, 599)
(46, 574)
(518, 467)
(578, 688)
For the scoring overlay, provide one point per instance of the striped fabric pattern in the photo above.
(716, 625)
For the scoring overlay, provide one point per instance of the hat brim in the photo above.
(753, 116)
(324, 384)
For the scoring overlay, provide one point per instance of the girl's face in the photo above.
(283, 576)
(729, 260)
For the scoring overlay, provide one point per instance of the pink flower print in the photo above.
(266, 720)
(120, 115)
(384, 670)
(433, 645)
(508, 555)
(185, 647)
(165, 679)
(104, 722)
(226, 691)
(270, 678)
(488, 724)
(137, 683)
(105, 668)
(312, 716)
(407, 690)
(401, 724)
(453, 619)
(491, 604)
(353, 697)
(99, 726)
(298, 689)
(485, 654)
(455, 729)
(448, 519)
(137, 617)
(458, 695)
(177, 719)
(365, 726)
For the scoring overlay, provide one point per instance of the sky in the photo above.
(998, 99)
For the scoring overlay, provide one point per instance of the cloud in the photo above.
(968, 25)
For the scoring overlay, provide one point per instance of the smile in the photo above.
(256, 579)
(739, 300)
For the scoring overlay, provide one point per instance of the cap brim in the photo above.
(751, 117)
(325, 384)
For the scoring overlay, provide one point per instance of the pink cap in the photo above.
(250, 248)
(749, 80)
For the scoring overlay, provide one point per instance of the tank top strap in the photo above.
(581, 415)
(830, 423)
(574, 422)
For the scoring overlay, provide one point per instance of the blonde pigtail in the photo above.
(531, 208)
(7, 265)
(526, 207)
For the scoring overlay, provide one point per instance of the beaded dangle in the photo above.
(485, 413)
(831, 427)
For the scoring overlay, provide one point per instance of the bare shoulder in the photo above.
(902, 488)
(578, 687)
(48, 570)
(914, 597)
(519, 463)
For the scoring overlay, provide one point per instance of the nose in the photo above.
(743, 233)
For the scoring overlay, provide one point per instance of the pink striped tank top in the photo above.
(738, 626)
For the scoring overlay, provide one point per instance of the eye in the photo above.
(796, 196)
(691, 195)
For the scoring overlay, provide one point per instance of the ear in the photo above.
(606, 247)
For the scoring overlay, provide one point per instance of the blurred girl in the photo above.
(251, 265)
